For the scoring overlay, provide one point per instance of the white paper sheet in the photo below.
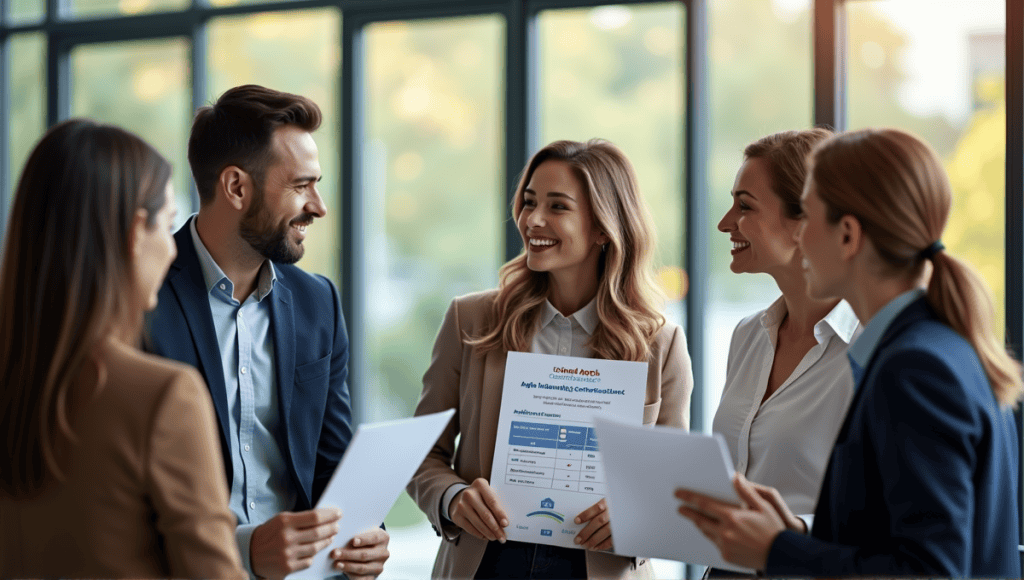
(643, 467)
(378, 463)
(547, 466)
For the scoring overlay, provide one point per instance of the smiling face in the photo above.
(287, 201)
(762, 236)
(557, 225)
(819, 242)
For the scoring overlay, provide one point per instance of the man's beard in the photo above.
(260, 230)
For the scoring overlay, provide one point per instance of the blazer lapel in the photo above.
(493, 386)
(283, 322)
(190, 289)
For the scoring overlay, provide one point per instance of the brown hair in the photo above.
(62, 289)
(237, 130)
(894, 185)
(785, 153)
(627, 293)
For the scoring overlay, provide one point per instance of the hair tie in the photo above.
(930, 251)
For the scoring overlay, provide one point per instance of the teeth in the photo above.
(301, 228)
(740, 245)
(542, 242)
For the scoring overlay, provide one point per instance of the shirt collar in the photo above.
(840, 321)
(865, 345)
(586, 317)
(214, 277)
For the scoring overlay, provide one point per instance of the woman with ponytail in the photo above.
(582, 287)
(110, 467)
(923, 477)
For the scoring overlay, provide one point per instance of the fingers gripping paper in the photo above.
(379, 462)
(643, 468)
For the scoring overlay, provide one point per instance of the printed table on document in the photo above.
(550, 456)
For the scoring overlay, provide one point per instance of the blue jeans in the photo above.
(533, 561)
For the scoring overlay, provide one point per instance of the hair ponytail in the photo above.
(895, 186)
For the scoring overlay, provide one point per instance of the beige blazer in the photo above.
(144, 495)
(473, 385)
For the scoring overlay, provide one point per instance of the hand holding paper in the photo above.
(478, 511)
(743, 534)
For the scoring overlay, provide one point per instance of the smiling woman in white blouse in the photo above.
(788, 382)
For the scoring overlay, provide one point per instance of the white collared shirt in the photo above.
(556, 334)
(786, 442)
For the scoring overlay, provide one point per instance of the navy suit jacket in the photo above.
(310, 357)
(923, 477)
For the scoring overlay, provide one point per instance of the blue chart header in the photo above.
(548, 436)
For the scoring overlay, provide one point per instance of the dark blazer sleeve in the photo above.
(924, 427)
(337, 426)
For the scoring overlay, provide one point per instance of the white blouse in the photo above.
(786, 442)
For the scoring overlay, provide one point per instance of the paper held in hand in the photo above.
(547, 465)
(644, 467)
(377, 465)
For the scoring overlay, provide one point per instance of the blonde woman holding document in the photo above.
(582, 287)
(788, 382)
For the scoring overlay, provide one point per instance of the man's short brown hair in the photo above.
(237, 130)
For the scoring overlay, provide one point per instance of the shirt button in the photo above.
(246, 447)
(563, 349)
(242, 370)
(252, 505)
(223, 286)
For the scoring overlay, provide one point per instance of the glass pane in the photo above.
(942, 78)
(435, 210)
(263, 49)
(21, 11)
(617, 73)
(761, 83)
(92, 8)
(144, 88)
(27, 120)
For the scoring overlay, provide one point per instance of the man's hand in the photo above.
(597, 534)
(364, 556)
(287, 542)
(743, 534)
(477, 510)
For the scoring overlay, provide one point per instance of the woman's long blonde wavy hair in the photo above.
(628, 298)
(65, 285)
(895, 186)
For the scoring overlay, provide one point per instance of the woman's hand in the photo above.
(477, 510)
(597, 534)
(773, 497)
(744, 534)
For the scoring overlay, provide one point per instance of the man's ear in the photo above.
(851, 237)
(236, 186)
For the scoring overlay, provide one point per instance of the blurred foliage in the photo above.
(149, 82)
(28, 104)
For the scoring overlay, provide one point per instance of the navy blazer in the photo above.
(310, 357)
(923, 477)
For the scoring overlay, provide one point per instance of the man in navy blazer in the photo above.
(269, 338)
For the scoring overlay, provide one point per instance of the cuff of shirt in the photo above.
(808, 521)
(449, 495)
(243, 536)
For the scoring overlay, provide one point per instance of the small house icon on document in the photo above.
(547, 504)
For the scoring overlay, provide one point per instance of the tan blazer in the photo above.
(473, 386)
(144, 495)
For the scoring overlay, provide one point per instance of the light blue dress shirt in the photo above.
(260, 487)
(864, 346)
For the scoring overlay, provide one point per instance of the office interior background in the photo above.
(433, 107)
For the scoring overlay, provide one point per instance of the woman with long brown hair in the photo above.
(922, 480)
(110, 466)
(582, 287)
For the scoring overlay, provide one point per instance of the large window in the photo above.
(432, 108)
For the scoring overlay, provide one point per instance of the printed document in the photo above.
(644, 467)
(547, 464)
(377, 465)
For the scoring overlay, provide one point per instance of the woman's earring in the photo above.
(604, 247)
